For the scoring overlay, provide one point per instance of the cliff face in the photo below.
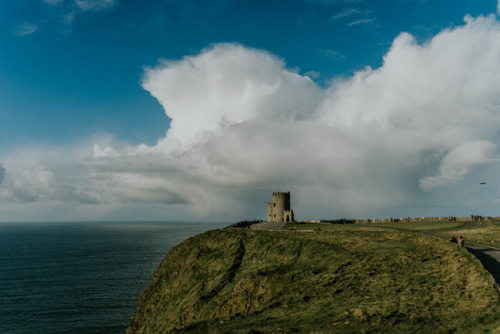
(239, 281)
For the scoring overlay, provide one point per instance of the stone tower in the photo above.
(279, 209)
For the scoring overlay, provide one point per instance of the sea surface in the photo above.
(80, 277)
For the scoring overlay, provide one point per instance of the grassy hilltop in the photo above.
(350, 279)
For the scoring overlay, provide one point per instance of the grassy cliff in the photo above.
(243, 281)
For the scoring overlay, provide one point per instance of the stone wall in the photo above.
(288, 216)
(389, 220)
(413, 219)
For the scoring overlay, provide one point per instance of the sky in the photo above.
(198, 110)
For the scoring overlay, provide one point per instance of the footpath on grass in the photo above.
(488, 256)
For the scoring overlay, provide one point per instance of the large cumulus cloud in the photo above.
(439, 99)
(387, 137)
(229, 84)
(401, 139)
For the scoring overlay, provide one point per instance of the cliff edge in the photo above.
(245, 281)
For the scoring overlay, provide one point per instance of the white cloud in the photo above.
(53, 2)
(360, 21)
(226, 85)
(402, 139)
(69, 17)
(334, 54)
(241, 120)
(84, 5)
(32, 176)
(355, 16)
(345, 13)
(458, 162)
(68, 10)
(2, 173)
(312, 74)
(26, 29)
(96, 5)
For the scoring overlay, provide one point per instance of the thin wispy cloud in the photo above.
(312, 74)
(53, 2)
(336, 2)
(66, 11)
(25, 29)
(346, 13)
(95, 5)
(361, 21)
(84, 5)
(333, 54)
(354, 16)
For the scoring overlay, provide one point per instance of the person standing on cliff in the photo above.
(462, 242)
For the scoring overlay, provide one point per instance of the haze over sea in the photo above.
(80, 277)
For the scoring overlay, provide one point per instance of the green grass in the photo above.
(397, 226)
(349, 279)
(330, 227)
(487, 233)
(420, 226)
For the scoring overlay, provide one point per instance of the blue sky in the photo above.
(68, 80)
(86, 87)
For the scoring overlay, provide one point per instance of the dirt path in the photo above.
(466, 226)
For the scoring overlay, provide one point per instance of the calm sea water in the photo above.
(80, 277)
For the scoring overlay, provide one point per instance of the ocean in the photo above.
(80, 277)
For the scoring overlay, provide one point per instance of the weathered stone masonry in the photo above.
(279, 209)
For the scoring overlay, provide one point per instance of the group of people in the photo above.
(460, 241)
(477, 218)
